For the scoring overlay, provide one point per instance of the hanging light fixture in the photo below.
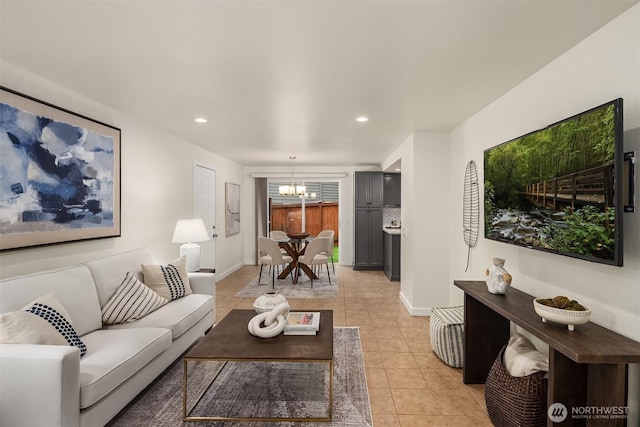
(307, 196)
(293, 189)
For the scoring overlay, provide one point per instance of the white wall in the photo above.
(408, 238)
(424, 243)
(602, 67)
(156, 181)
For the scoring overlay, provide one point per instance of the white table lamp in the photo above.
(189, 232)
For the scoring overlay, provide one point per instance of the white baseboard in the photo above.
(222, 275)
(414, 311)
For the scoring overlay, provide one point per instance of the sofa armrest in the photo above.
(39, 385)
(203, 283)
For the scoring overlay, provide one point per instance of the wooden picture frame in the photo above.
(60, 179)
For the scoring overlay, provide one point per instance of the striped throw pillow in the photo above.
(132, 301)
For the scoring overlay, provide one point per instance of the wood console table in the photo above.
(587, 367)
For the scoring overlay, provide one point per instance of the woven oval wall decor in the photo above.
(470, 208)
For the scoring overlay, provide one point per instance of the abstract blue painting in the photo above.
(59, 174)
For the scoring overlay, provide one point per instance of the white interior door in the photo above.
(204, 206)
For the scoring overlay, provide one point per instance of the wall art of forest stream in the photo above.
(553, 188)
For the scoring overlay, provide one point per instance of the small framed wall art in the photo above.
(231, 208)
(60, 174)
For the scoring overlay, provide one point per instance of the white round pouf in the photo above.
(274, 322)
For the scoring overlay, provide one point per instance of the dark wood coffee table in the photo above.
(230, 340)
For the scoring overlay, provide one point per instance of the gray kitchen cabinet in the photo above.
(368, 189)
(368, 232)
(392, 256)
(368, 239)
(391, 190)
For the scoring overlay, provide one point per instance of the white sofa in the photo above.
(51, 385)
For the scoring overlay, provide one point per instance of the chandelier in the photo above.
(293, 189)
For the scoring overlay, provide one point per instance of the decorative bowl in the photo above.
(268, 301)
(564, 317)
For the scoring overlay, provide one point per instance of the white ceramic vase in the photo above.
(497, 278)
(268, 301)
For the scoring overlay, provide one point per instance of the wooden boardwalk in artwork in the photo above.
(588, 187)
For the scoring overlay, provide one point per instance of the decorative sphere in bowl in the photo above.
(268, 301)
(562, 316)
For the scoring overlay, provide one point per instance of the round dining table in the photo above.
(294, 247)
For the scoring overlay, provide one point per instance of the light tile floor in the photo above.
(408, 384)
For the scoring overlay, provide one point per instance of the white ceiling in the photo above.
(282, 78)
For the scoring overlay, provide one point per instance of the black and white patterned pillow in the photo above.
(170, 281)
(131, 301)
(43, 321)
(61, 324)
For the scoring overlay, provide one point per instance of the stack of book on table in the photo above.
(302, 323)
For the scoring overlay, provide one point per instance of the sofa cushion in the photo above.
(73, 287)
(114, 356)
(43, 321)
(108, 272)
(132, 301)
(178, 315)
(171, 281)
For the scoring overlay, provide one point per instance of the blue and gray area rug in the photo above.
(260, 389)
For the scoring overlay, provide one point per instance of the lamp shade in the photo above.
(190, 231)
(286, 190)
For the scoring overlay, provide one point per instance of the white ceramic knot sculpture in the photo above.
(273, 321)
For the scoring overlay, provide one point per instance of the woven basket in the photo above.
(515, 401)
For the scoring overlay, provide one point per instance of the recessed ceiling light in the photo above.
(362, 119)
(397, 169)
(200, 120)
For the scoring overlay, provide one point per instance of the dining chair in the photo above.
(329, 252)
(269, 253)
(279, 235)
(313, 255)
